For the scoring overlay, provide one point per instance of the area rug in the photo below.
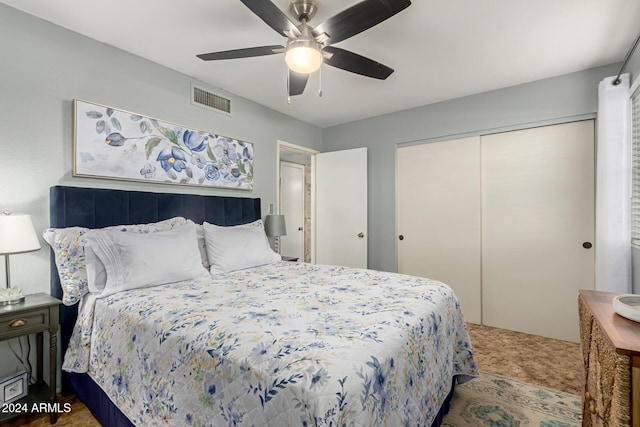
(497, 401)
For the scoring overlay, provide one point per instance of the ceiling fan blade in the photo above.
(272, 16)
(297, 83)
(355, 63)
(242, 53)
(359, 18)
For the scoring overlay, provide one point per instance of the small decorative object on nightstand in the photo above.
(627, 306)
(36, 314)
(17, 236)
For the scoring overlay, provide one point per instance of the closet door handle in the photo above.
(587, 245)
(401, 237)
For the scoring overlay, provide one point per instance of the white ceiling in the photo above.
(439, 49)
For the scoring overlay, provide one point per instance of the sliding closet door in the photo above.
(537, 227)
(438, 214)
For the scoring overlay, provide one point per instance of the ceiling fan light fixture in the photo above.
(303, 56)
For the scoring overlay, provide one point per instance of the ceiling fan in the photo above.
(309, 47)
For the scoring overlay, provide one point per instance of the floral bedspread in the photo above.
(288, 344)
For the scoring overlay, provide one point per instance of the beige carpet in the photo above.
(532, 359)
(525, 380)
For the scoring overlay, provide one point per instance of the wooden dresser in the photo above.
(611, 356)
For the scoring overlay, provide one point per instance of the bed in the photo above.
(273, 345)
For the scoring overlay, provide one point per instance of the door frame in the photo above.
(286, 148)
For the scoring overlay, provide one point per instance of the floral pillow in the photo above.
(68, 247)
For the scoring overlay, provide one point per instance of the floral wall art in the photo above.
(116, 144)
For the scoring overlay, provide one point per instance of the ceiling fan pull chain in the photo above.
(288, 88)
(320, 77)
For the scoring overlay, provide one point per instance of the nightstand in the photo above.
(36, 314)
(611, 356)
(289, 258)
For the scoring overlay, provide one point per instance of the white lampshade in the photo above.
(303, 56)
(274, 226)
(17, 234)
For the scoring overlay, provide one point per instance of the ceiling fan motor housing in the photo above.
(303, 9)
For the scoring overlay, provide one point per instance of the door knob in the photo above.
(587, 245)
(361, 234)
(300, 228)
(401, 237)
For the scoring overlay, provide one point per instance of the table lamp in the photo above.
(17, 236)
(275, 227)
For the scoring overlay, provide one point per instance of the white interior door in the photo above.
(341, 207)
(292, 207)
(438, 214)
(537, 212)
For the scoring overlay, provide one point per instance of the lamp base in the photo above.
(11, 296)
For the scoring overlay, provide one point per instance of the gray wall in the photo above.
(44, 67)
(542, 102)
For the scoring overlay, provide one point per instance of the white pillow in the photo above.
(119, 261)
(238, 247)
(68, 247)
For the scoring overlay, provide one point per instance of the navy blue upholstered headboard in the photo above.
(95, 208)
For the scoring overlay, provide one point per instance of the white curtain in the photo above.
(613, 187)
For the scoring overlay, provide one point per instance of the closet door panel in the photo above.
(537, 211)
(438, 214)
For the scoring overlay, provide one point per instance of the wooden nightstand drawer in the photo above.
(22, 323)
